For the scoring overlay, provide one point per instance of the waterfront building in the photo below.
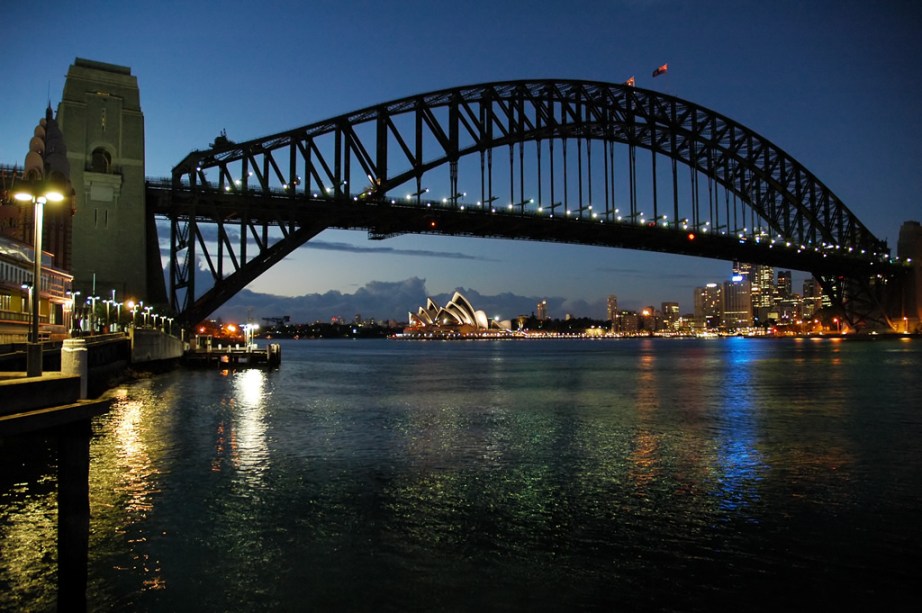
(762, 289)
(55, 298)
(629, 323)
(649, 321)
(735, 305)
(458, 318)
(707, 302)
(670, 313)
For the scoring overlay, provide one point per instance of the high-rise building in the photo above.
(612, 307)
(670, 315)
(761, 287)
(784, 284)
(743, 269)
(736, 305)
(542, 310)
(707, 306)
(813, 297)
(629, 322)
(648, 319)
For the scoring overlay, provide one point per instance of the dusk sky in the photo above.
(836, 84)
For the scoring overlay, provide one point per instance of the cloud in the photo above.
(210, 234)
(383, 300)
(453, 255)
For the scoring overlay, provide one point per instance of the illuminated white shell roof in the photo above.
(458, 312)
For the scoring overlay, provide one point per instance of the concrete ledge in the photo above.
(154, 346)
(21, 393)
(40, 419)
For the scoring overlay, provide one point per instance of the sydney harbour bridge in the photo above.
(547, 160)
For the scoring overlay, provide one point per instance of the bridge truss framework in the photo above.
(548, 160)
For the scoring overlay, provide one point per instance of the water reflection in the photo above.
(125, 480)
(28, 527)
(605, 476)
(739, 463)
(240, 435)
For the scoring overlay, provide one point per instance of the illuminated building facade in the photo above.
(612, 307)
(813, 297)
(458, 318)
(736, 304)
(707, 306)
(785, 287)
(670, 313)
(542, 310)
(55, 301)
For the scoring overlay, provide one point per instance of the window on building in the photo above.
(101, 161)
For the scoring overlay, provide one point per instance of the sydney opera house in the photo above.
(457, 319)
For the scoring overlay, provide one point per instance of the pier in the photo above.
(234, 356)
(54, 404)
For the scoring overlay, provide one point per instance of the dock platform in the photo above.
(235, 356)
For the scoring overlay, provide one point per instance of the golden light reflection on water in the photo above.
(241, 442)
(125, 479)
(28, 547)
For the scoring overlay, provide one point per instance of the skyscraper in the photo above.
(784, 284)
(736, 305)
(813, 300)
(612, 307)
(542, 310)
(670, 315)
(707, 306)
(761, 287)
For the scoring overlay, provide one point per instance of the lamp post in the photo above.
(45, 176)
(107, 302)
(38, 194)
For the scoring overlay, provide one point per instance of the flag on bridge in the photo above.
(630, 82)
(661, 70)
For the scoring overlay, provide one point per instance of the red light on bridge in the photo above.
(691, 236)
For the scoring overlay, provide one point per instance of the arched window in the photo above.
(102, 161)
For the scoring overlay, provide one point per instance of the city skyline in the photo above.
(825, 82)
(394, 301)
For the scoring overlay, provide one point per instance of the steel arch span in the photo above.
(551, 160)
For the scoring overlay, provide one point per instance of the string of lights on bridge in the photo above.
(744, 235)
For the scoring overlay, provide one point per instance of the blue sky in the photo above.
(834, 83)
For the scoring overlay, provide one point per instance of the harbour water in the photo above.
(641, 474)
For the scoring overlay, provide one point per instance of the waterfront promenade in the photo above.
(59, 405)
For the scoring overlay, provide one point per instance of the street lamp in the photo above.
(107, 302)
(38, 193)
